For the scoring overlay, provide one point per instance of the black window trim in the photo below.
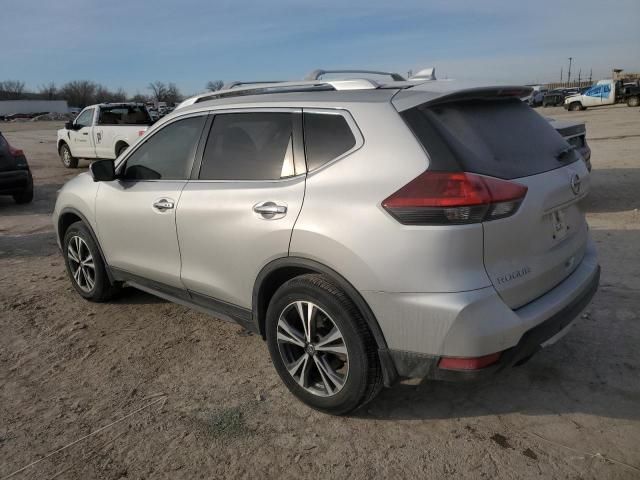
(351, 123)
(148, 135)
(298, 145)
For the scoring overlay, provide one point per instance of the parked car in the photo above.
(575, 134)
(15, 175)
(604, 92)
(102, 131)
(441, 234)
(553, 98)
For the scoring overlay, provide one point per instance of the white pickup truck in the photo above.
(102, 131)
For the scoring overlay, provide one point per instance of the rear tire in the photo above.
(68, 160)
(85, 267)
(331, 364)
(27, 195)
(121, 148)
(633, 101)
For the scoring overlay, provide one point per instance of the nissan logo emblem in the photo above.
(575, 184)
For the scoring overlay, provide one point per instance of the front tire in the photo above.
(68, 160)
(633, 101)
(575, 107)
(321, 346)
(85, 267)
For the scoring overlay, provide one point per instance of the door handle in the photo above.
(163, 205)
(269, 209)
(85, 133)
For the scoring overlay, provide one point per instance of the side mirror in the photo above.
(103, 170)
(68, 125)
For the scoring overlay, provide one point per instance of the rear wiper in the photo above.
(564, 152)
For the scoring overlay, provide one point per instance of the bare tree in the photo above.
(158, 91)
(173, 94)
(213, 85)
(140, 98)
(11, 89)
(79, 93)
(48, 91)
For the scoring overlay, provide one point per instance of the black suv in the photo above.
(15, 175)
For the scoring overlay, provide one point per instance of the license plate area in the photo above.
(559, 225)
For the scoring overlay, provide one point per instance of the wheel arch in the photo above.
(277, 272)
(68, 216)
(118, 145)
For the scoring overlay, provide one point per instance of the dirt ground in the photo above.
(140, 388)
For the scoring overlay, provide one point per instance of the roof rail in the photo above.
(230, 85)
(260, 88)
(316, 74)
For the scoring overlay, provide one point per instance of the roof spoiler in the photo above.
(428, 94)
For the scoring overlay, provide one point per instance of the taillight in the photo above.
(15, 152)
(141, 132)
(454, 198)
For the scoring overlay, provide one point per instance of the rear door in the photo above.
(531, 251)
(82, 143)
(238, 213)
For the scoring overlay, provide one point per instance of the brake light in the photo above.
(468, 363)
(454, 198)
(15, 152)
(141, 133)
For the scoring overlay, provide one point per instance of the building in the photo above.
(8, 107)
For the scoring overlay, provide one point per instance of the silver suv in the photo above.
(369, 232)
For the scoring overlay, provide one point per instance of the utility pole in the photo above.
(561, 74)
(579, 76)
(569, 72)
(590, 74)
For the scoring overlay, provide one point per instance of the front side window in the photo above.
(249, 146)
(326, 136)
(85, 118)
(168, 154)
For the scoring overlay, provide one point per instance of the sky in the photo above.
(131, 43)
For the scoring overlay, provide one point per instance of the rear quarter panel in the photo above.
(343, 225)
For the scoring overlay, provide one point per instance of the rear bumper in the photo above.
(422, 328)
(14, 181)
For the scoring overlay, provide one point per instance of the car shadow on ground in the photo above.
(613, 190)
(44, 199)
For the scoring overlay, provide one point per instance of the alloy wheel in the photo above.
(66, 156)
(312, 348)
(81, 264)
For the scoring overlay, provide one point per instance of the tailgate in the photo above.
(529, 253)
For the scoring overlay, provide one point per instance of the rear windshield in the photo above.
(499, 138)
(124, 115)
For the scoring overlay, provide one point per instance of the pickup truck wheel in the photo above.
(575, 106)
(633, 101)
(121, 148)
(321, 346)
(68, 160)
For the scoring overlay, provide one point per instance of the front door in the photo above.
(239, 213)
(136, 214)
(82, 144)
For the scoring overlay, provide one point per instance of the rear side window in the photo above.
(499, 138)
(124, 115)
(249, 146)
(167, 154)
(326, 136)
